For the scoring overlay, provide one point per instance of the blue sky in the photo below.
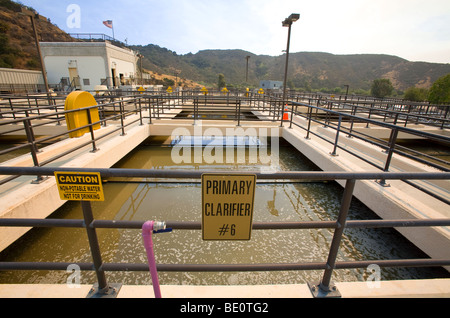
(416, 30)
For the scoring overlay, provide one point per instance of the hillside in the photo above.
(17, 44)
(307, 70)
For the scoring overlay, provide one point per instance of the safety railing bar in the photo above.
(62, 112)
(7, 266)
(375, 122)
(309, 175)
(377, 108)
(22, 108)
(429, 192)
(381, 146)
(194, 225)
(379, 142)
(42, 222)
(386, 111)
(426, 262)
(138, 267)
(41, 140)
(346, 149)
(418, 153)
(25, 145)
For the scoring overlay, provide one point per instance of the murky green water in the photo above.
(182, 202)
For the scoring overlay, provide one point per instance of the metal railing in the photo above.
(325, 286)
(389, 147)
(25, 119)
(32, 112)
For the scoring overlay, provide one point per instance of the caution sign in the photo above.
(227, 206)
(77, 186)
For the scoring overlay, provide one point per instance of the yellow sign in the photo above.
(204, 90)
(261, 91)
(169, 89)
(227, 206)
(141, 90)
(80, 186)
(224, 90)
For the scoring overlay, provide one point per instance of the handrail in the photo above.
(329, 266)
(155, 105)
(261, 175)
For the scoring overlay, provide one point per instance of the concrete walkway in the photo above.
(435, 288)
(397, 201)
(22, 199)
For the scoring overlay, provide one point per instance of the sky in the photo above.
(416, 30)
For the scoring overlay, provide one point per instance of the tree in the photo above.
(221, 84)
(440, 91)
(168, 82)
(416, 94)
(381, 88)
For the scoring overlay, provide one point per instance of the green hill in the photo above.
(307, 70)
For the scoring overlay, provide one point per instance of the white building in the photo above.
(270, 84)
(15, 80)
(84, 65)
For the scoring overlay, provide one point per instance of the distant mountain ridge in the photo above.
(307, 70)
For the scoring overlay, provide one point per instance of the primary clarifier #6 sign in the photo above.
(80, 186)
(227, 206)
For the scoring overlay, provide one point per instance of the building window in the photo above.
(86, 81)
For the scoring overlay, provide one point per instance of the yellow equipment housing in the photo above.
(77, 119)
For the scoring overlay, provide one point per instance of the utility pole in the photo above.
(246, 73)
(33, 15)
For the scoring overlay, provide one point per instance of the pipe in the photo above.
(148, 229)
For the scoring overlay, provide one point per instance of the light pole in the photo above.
(287, 23)
(246, 73)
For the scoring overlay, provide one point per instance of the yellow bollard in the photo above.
(77, 100)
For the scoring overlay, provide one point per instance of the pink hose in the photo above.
(147, 230)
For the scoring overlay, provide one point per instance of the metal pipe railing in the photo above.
(329, 266)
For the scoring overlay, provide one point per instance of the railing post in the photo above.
(292, 114)
(91, 129)
(309, 122)
(122, 108)
(140, 111)
(103, 289)
(30, 139)
(196, 102)
(370, 113)
(353, 112)
(337, 136)
(34, 150)
(12, 108)
(390, 152)
(150, 107)
(325, 288)
(238, 106)
(282, 113)
(445, 117)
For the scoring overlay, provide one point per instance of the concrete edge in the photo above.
(429, 288)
